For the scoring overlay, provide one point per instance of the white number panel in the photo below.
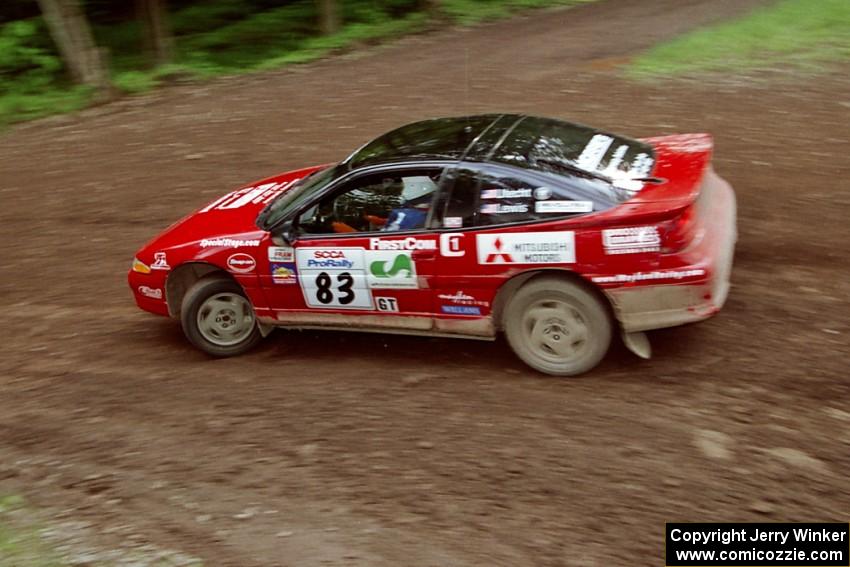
(333, 278)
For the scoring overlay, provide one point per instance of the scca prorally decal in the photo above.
(501, 209)
(241, 263)
(332, 259)
(563, 207)
(409, 243)
(644, 276)
(228, 243)
(150, 292)
(160, 262)
(259, 195)
(631, 240)
(527, 248)
(281, 254)
(460, 310)
(506, 194)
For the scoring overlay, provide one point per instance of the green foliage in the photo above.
(790, 32)
(212, 37)
(32, 79)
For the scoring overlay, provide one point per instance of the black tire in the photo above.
(218, 318)
(557, 326)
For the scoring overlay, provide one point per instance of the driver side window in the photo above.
(389, 201)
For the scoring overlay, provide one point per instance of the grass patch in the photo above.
(21, 545)
(798, 33)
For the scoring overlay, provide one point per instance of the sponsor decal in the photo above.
(542, 193)
(644, 276)
(388, 270)
(160, 262)
(409, 243)
(333, 278)
(389, 304)
(527, 248)
(453, 222)
(563, 207)
(631, 240)
(461, 298)
(150, 292)
(330, 259)
(594, 152)
(451, 245)
(284, 273)
(506, 194)
(281, 254)
(228, 243)
(460, 309)
(259, 195)
(501, 209)
(241, 263)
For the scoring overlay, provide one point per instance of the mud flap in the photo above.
(638, 343)
(264, 329)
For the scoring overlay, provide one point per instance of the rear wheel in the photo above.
(218, 318)
(557, 326)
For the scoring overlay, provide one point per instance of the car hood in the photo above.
(226, 222)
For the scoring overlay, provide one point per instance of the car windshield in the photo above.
(303, 189)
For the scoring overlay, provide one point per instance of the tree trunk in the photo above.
(71, 32)
(328, 17)
(156, 34)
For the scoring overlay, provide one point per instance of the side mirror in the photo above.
(287, 232)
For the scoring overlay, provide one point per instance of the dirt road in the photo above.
(344, 449)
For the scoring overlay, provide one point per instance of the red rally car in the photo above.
(554, 233)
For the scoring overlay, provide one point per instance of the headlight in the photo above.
(141, 267)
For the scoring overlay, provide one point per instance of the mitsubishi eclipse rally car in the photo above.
(551, 232)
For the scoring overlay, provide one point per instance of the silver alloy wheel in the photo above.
(225, 319)
(555, 331)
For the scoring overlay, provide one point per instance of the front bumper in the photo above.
(149, 291)
(641, 308)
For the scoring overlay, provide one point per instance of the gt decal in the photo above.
(386, 304)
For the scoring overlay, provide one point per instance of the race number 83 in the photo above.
(329, 288)
(325, 294)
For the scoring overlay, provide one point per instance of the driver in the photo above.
(412, 212)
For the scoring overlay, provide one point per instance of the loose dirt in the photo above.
(346, 449)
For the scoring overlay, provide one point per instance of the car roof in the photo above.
(528, 142)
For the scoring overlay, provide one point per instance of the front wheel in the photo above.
(557, 326)
(218, 318)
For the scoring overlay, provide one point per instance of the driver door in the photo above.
(362, 254)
